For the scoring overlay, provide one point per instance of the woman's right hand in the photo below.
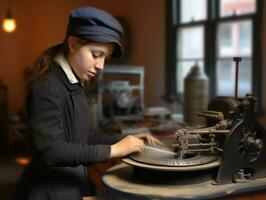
(127, 145)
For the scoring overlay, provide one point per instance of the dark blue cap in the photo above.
(95, 25)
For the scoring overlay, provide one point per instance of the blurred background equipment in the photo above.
(120, 97)
(196, 95)
(120, 92)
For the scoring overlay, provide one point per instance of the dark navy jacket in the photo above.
(63, 142)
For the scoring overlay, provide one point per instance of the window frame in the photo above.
(210, 51)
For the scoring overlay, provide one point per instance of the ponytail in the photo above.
(42, 65)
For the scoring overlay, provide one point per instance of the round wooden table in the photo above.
(121, 183)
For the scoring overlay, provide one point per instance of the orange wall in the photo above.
(41, 24)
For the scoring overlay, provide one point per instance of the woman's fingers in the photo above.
(140, 149)
(136, 145)
(156, 141)
(141, 146)
(151, 139)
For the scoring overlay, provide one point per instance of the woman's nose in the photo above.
(99, 65)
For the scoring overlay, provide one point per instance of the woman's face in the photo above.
(88, 59)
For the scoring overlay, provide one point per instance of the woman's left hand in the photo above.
(148, 137)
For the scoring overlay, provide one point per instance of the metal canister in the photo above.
(196, 95)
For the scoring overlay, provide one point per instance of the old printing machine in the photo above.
(231, 149)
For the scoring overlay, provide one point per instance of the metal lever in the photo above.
(236, 60)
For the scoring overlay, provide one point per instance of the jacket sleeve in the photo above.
(102, 138)
(46, 131)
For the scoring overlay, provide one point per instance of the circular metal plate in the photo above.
(166, 159)
(172, 168)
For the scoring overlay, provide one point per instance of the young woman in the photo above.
(58, 112)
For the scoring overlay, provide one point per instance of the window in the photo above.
(190, 49)
(211, 33)
(234, 38)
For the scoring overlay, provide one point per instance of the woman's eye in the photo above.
(96, 54)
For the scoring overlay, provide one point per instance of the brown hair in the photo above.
(43, 63)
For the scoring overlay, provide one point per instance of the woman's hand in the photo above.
(132, 143)
(127, 145)
(148, 137)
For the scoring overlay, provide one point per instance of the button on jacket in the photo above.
(63, 142)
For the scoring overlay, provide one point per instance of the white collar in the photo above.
(62, 61)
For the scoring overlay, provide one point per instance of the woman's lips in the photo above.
(92, 73)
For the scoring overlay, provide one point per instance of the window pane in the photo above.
(193, 10)
(225, 76)
(237, 7)
(235, 38)
(190, 43)
(183, 67)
